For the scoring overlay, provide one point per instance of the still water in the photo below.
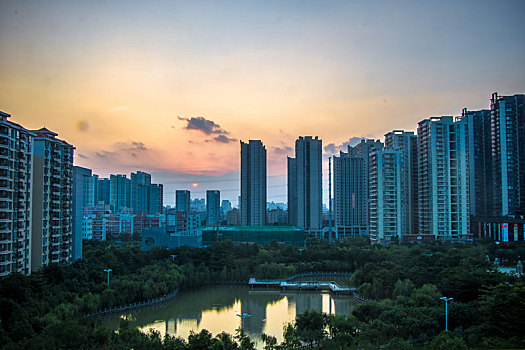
(215, 308)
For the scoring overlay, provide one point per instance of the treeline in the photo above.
(406, 281)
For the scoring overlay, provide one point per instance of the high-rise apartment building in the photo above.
(406, 142)
(81, 191)
(119, 192)
(140, 186)
(363, 150)
(15, 197)
(156, 199)
(213, 207)
(388, 207)
(443, 178)
(226, 206)
(182, 201)
(479, 161)
(292, 190)
(52, 200)
(253, 183)
(350, 208)
(508, 154)
(305, 183)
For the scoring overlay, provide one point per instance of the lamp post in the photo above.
(174, 256)
(446, 300)
(243, 316)
(108, 271)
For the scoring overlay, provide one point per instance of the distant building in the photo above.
(145, 196)
(306, 181)
(213, 210)
(168, 237)
(292, 190)
(233, 217)
(226, 206)
(82, 195)
(253, 183)
(350, 205)
(103, 191)
(120, 192)
(52, 200)
(277, 216)
(16, 144)
(254, 234)
(443, 178)
(182, 200)
(508, 155)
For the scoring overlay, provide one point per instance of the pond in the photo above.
(215, 308)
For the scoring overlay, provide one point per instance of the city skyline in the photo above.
(170, 88)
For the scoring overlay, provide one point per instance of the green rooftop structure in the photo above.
(254, 234)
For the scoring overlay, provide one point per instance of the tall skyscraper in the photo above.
(305, 184)
(182, 200)
(140, 187)
(253, 183)
(292, 191)
(350, 209)
(213, 207)
(479, 161)
(508, 154)
(15, 197)
(406, 142)
(52, 200)
(226, 206)
(443, 178)
(81, 191)
(119, 192)
(388, 211)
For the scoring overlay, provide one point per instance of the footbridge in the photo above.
(290, 282)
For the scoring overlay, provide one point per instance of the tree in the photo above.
(447, 341)
(311, 327)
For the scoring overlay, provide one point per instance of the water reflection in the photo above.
(215, 308)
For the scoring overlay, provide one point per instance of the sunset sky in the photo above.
(170, 87)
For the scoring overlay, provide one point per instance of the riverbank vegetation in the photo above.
(404, 282)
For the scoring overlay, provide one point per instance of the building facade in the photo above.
(305, 189)
(213, 207)
(253, 183)
(350, 206)
(81, 191)
(52, 223)
(16, 161)
(508, 154)
(406, 142)
(119, 192)
(182, 200)
(388, 211)
(443, 178)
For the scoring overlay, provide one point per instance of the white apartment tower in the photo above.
(443, 178)
(52, 200)
(15, 197)
(388, 207)
(253, 183)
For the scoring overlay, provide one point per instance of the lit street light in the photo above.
(446, 310)
(243, 316)
(108, 271)
(174, 256)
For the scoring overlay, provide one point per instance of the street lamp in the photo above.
(174, 256)
(108, 271)
(243, 316)
(446, 300)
